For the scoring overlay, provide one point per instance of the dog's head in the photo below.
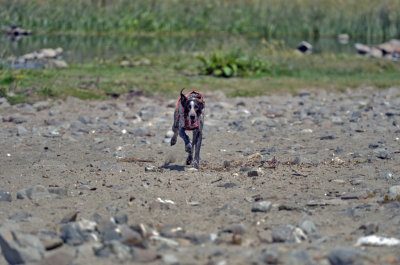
(193, 106)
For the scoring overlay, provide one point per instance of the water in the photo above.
(86, 48)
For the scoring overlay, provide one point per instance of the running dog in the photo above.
(189, 116)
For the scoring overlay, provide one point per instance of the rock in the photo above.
(56, 63)
(227, 185)
(304, 47)
(261, 206)
(59, 258)
(21, 131)
(85, 120)
(395, 191)
(121, 219)
(345, 256)
(49, 239)
(299, 257)
(322, 202)
(252, 173)
(289, 234)
(19, 248)
(36, 192)
(238, 229)
(144, 255)
(121, 251)
(5, 196)
(75, 233)
(270, 256)
(20, 216)
(309, 228)
(169, 259)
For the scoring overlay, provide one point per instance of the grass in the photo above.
(269, 18)
(288, 72)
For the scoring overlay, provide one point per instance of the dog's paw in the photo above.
(196, 164)
(189, 160)
(188, 148)
(173, 141)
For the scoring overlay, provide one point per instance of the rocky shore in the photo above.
(312, 178)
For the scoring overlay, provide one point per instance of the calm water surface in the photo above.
(86, 48)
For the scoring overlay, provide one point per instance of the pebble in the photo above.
(288, 233)
(394, 190)
(309, 228)
(5, 196)
(261, 206)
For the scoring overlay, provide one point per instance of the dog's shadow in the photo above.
(174, 167)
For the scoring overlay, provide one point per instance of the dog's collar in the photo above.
(183, 111)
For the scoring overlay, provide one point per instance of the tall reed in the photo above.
(271, 18)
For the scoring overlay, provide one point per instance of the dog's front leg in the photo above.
(197, 138)
(185, 137)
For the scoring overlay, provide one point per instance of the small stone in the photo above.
(227, 185)
(270, 256)
(252, 173)
(150, 169)
(394, 191)
(121, 219)
(261, 206)
(289, 234)
(309, 228)
(238, 229)
(21, 131)
(85, 120)
(20, 216)
(322, 202)
(169, 259)
(5, 196)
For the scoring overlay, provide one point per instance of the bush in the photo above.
(232, 64)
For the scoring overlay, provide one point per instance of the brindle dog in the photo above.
(189, 116)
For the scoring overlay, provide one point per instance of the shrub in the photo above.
(231, 64)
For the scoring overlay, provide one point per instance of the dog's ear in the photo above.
(183, 97)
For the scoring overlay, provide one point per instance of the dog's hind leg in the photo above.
(197, 138)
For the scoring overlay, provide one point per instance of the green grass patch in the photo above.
(288, 72)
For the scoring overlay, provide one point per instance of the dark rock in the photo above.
(5, 196)
(373, 145)
(370, 228)
(383, 154)
(261, 206)
(121, 251)
(19, 248)
(328, 137)
(70, 217)
(252, 173)
(227, 185)
(345, 256)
